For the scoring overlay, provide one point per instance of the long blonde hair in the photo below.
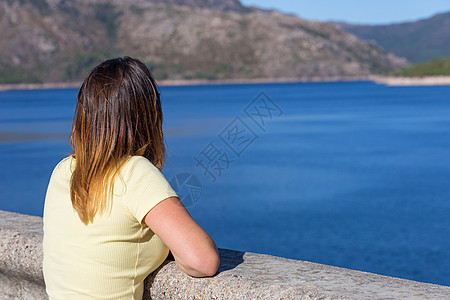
(118, 115)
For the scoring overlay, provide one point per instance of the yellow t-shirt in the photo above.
(110, 258)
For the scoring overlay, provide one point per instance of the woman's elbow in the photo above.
(212, 266)
(207, 265)
(199, 264)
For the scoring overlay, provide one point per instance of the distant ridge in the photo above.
(217, 5)
(60, 41)
(418, 41)
(437, 67)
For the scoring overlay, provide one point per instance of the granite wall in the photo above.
(241, 275)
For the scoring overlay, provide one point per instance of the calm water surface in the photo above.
(351, 174)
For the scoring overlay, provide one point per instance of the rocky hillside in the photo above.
(57, 41)
(417, 41)
(217, 5)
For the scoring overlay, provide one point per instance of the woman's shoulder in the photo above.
(138, 168)
(65, 160)
(62, 172)
(138, 163)
(66, 164)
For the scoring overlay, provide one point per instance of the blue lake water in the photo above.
(350, 174)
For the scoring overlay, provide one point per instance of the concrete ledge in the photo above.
(241, 275)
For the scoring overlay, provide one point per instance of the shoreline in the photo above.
(38, 86)
(411, 81)
(184, 82)
(387, 80)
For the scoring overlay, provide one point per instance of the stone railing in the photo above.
(241, 275)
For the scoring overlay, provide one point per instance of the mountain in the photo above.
(437, 67)
(418, 41)
(217, 5)
(60, 41)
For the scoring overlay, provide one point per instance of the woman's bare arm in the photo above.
(193, 249)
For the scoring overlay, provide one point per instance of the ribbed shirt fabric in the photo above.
(110, 258)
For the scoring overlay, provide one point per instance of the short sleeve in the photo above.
(145, 186)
